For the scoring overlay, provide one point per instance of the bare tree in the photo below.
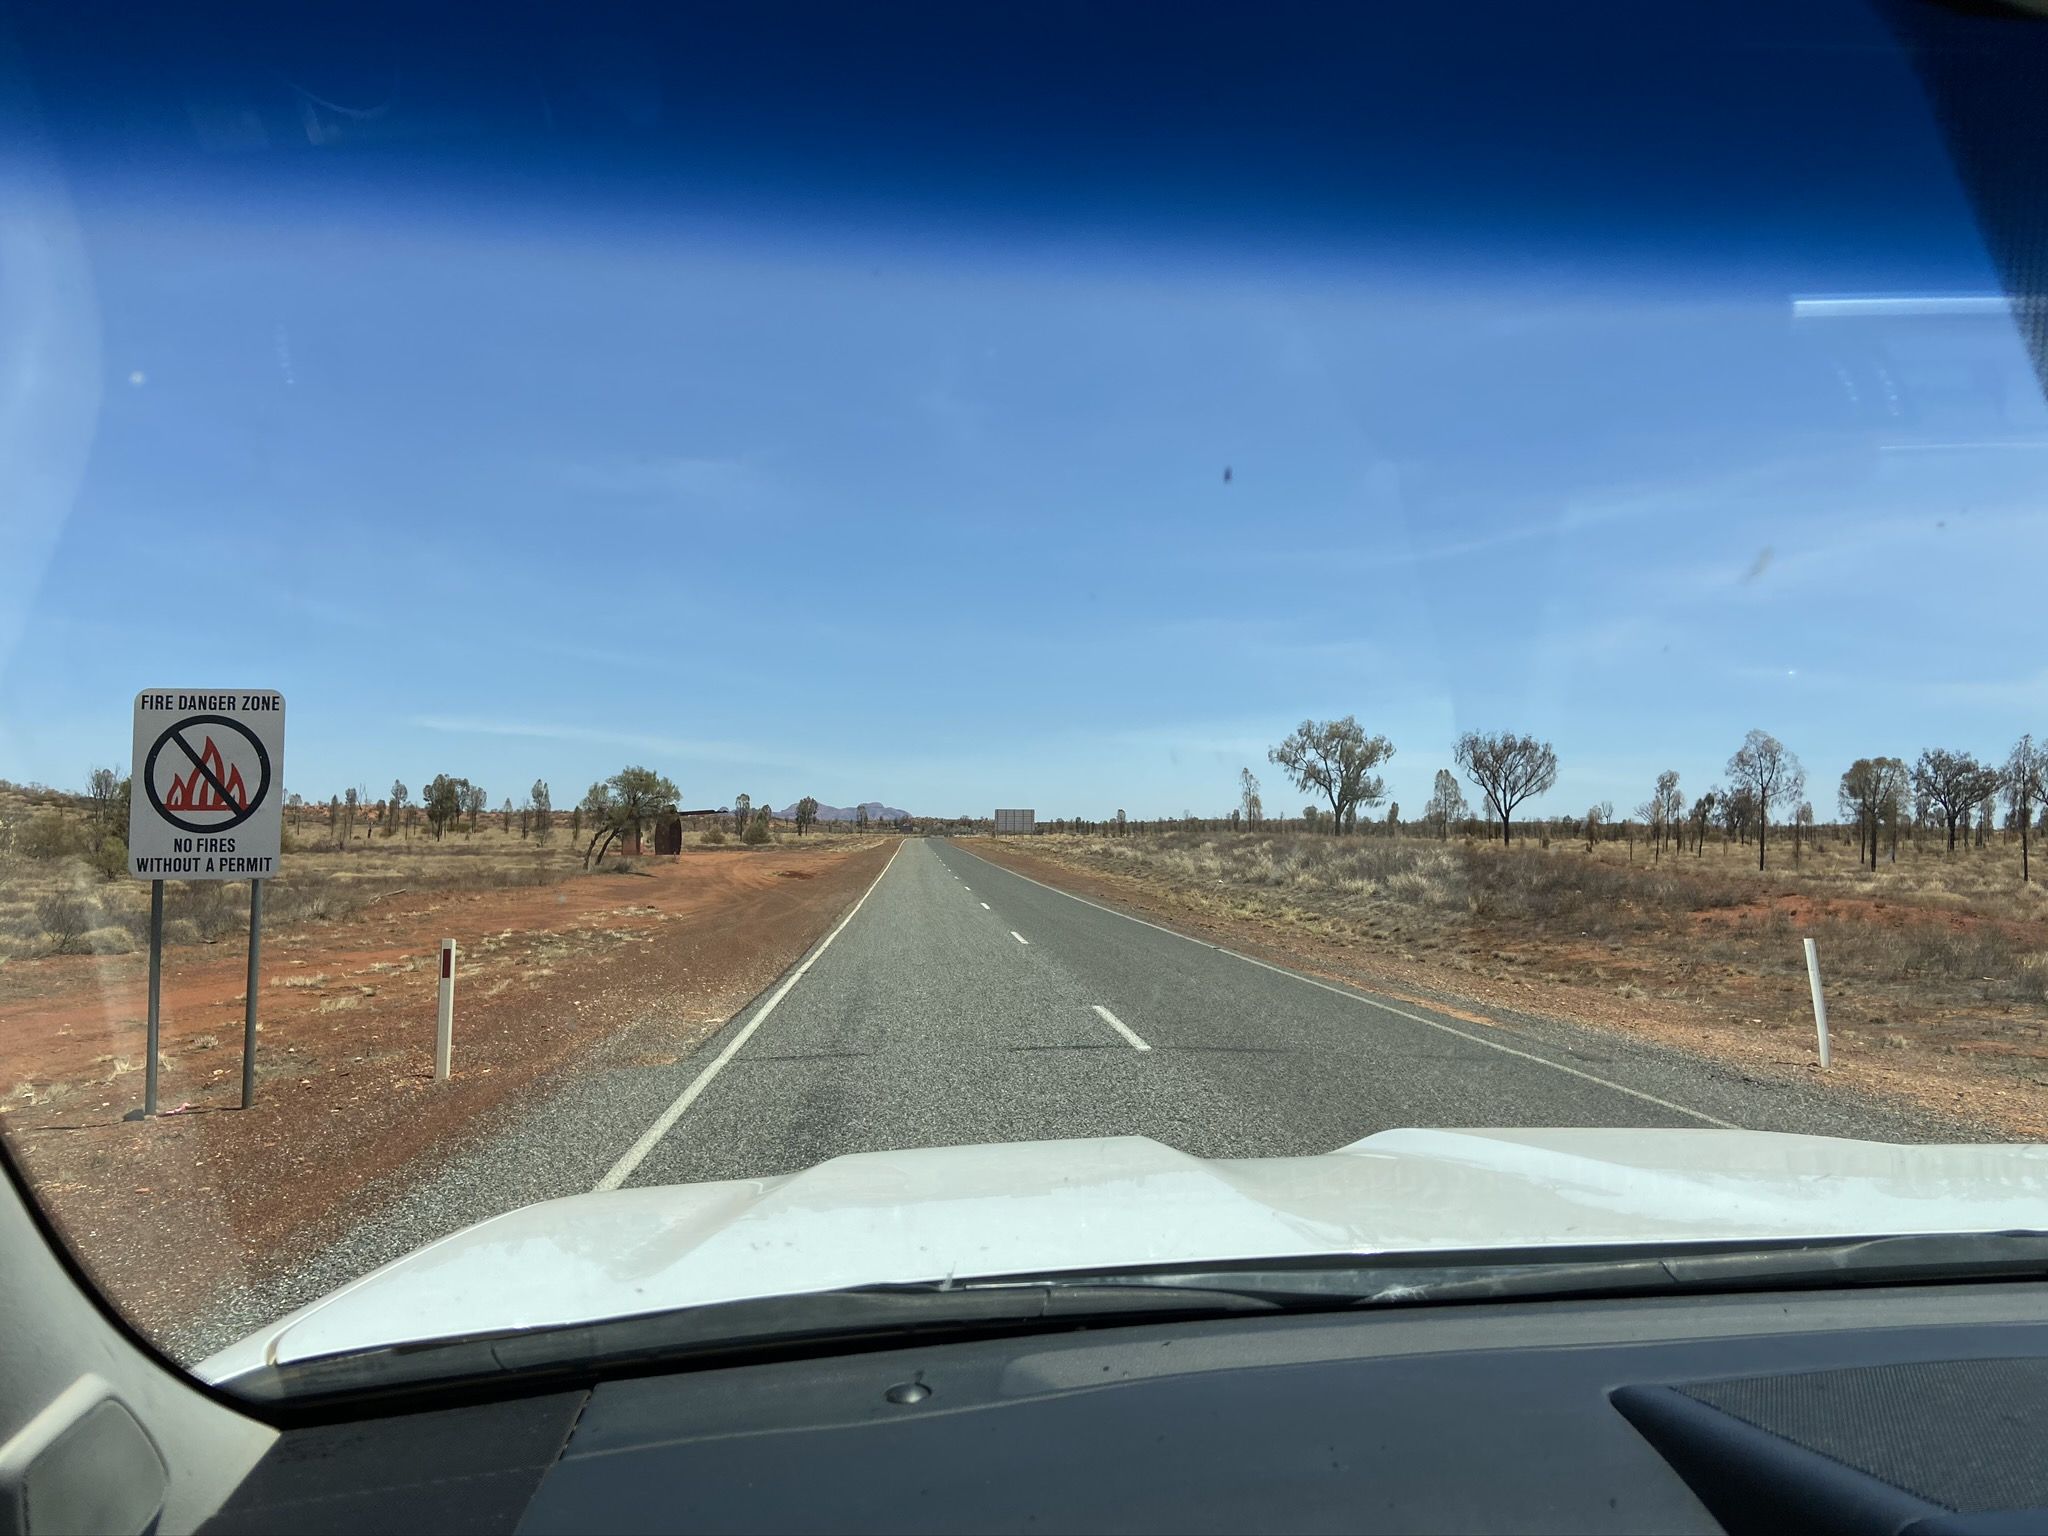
(103, 789)
(2026, 785)
(1446, 803)
(1702, 814)
(543, 810)
(1667, 807)
(1508, 768)
(1336, 759)
(595, 809)
(1248, 796)
(1772, 776)
(1953, 782)
(1871, 792)
(1738, 812)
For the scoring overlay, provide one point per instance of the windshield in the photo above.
(1073, 609)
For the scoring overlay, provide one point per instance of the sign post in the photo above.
(249, 1002)
(207, 805)
(156, 993)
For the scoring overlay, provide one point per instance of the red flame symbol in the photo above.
(194, 793)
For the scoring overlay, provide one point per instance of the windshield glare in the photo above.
(870, 647)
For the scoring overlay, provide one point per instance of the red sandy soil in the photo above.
(345, 1099)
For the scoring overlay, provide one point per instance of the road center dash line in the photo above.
(1373, 1002)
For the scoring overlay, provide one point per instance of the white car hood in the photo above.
(1028, 1207)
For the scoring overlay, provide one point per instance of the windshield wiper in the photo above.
(1393, 1280)
(888, 1316)
(859, 1317)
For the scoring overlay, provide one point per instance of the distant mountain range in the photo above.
(875, 809)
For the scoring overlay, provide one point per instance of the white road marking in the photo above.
(984, 906)
(622, 1170)
(1018, 937)
(1373, 1002)
(1120, 1027)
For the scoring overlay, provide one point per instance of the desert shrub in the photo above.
(49, 835)
(205, 904)
(64, 920)
(300, 898)
(756, 833)
(2030, 984)
(712, 837)
(111, 939)
(110, 859)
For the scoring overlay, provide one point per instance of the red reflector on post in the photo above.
(447, 962)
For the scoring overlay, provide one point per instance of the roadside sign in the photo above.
(207, 797)
(1016, 820)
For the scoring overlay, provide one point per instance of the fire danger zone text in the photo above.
(209, 766)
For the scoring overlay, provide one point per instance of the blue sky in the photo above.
(808, 497)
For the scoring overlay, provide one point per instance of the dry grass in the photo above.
(59, 902)
(1954, 933)
(56, 897)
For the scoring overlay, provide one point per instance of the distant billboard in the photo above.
(1016, 821)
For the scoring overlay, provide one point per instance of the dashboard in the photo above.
(1922, 1409)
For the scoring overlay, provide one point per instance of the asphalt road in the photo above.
(963, 1003)
(960, 1003)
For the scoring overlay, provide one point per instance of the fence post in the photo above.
(444, 1024)
(1820, 1004)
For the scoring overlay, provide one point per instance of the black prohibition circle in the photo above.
(171, 731)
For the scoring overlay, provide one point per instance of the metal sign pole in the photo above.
(156, 992)
(249, 1004)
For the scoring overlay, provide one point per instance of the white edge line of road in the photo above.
(1120, 1027)
(1373, 1002)
(622, 1170)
